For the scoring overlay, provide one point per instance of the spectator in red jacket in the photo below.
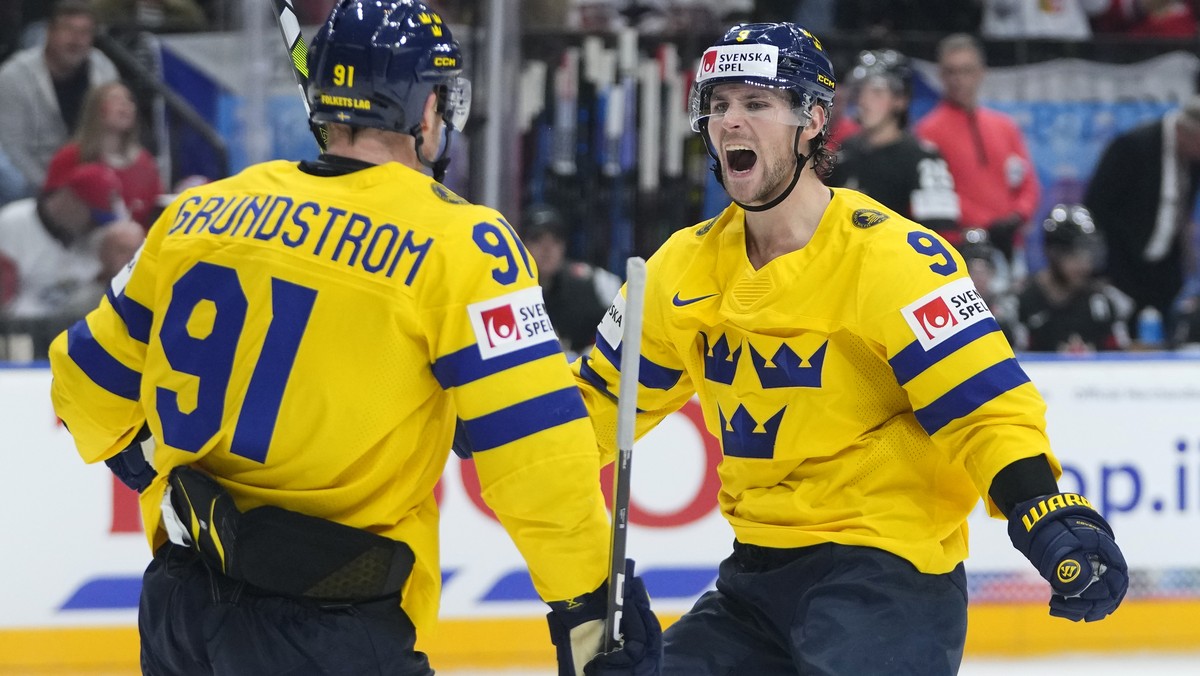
(985, 150)
(108, 133)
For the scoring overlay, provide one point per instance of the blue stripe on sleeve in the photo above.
(969, 395)
(99, 365)
(524, 419)
(137, 317)
(651, 375)
(913, 360)
(467, 366)
(595, 379)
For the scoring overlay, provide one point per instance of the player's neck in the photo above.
(790, 225)
(376, 149)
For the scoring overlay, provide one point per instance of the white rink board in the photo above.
(1128, 429)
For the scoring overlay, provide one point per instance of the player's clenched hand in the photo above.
(1072, 546)
(577, 631)
(132, 465)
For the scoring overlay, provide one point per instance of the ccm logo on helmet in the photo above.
(826, 81)
(444, 61)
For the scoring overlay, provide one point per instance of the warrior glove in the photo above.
(577, 631)
(1071, 546)
(132, 465)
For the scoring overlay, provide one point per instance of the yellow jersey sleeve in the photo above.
(664, 384)
(966, 387)
(495, 351)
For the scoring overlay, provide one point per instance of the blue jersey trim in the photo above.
(467, 365)
(99, 365)
(525, 419)
(913, 359)
(137, 317)
(595, 379)
(651, 375)
(969, 395)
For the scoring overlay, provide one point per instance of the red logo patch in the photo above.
(501, 326)
(935, 317)
(709, 62)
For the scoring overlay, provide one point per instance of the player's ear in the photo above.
(816, 121)
(430, 117)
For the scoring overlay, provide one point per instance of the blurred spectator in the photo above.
(577, 294)
(44, 88)
(1141, 196)
(992, 277)
(157, 16)
(54, 243)
(108, 133)
(1065, 307)
(1149, 18)
(1023, 19)
(993, 175)
(879, 18)
(883, 159)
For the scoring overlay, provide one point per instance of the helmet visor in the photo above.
(748, 101)
(457, 103)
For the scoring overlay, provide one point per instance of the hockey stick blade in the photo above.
(627, 389)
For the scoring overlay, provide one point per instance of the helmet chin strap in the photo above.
(438, 166)
(801, 160)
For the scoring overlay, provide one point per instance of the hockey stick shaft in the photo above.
(297, 50)
(627, 389)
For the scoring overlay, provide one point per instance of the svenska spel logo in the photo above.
(511, 322)
(934, 317)
(709, 62)
(500, 326)
(946, 312)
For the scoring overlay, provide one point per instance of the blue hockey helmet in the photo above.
(775, 55)
(374, 63)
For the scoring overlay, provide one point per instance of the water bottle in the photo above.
(1150, 327)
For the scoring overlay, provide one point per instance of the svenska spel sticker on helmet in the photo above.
(739, 61)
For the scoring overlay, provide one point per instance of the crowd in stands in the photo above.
(78, 189)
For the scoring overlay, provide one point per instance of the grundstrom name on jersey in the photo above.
(938, 316)
(510, 322)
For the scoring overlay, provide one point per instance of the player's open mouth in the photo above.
(739, 160)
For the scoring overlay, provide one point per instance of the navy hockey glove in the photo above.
(1072, 546)
(132, 465)
(577, 631)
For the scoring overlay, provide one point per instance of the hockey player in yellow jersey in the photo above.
(280, 369)
(864, 397)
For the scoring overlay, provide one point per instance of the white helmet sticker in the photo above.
(739, 60)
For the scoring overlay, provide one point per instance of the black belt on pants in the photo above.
(284, 552)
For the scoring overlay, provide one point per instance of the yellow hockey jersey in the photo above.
(862, 391)
(309, 341)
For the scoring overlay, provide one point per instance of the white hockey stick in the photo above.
(627, 389)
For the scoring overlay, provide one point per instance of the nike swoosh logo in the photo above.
(680, 302)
